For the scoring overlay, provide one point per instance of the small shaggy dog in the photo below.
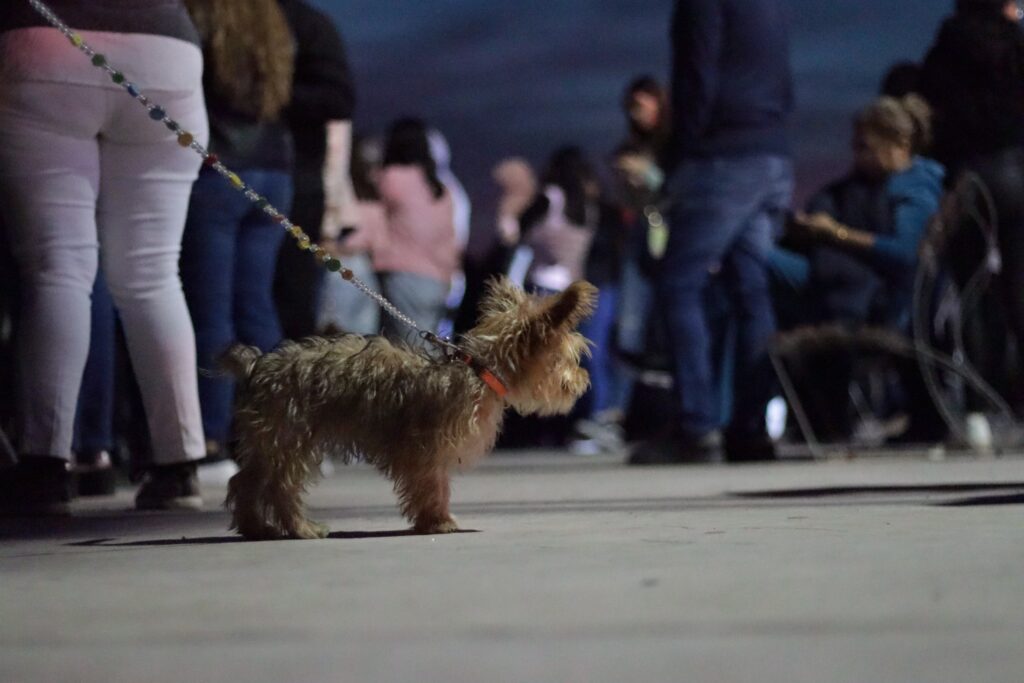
(413, 417)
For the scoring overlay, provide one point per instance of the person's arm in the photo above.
(697, 34)
(822, 227)
(897, 251)
(912, 214)
(322, 90)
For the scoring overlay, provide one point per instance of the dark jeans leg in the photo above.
(94, 422)
(723, 213)
(299, 278)
(746, 273)
(605, 380)
(208, 256)
(259, 241)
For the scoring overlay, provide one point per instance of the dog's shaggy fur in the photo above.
(413, 417)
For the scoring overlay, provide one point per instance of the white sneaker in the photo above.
(217, 473)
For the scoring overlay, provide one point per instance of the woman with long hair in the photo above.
(230, 246)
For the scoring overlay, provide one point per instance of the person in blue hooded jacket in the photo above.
(860, 239)
(862, 234)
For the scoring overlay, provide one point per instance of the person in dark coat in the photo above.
(732, 181)
(322, 92)
(973, 77)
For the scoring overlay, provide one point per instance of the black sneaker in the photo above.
(36, 486)
(679, 450)
(170, 487)
(94, 474)
(741, 448)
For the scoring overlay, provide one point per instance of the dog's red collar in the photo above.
(486, 375)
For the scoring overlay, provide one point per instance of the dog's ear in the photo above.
(573, 305)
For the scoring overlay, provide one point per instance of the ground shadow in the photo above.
(216, 540)
(1011, 499)
(828, 491)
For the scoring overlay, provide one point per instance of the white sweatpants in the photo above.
(87, 176)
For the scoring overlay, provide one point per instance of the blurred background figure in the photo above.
(108, 181)
(419, 253)
(973, 77)
(859, 242)
(640, 337)
(731, 99)
(231, 245)
(559, 225)
(555, 234)
(343, 307)
(463, 211)
(322, 93)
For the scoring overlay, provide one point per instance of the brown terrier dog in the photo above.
(413, 417)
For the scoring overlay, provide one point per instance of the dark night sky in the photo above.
(522, 77)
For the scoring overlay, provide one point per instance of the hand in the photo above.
(818, 226)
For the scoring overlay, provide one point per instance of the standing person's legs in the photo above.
(604, 377)
(208, 257)
(94, 430)
(419, 297)
(147, 179)
(49, 181)
(259, 241)
(49, 175)
(94, 422)
(746, 270)
(299, 278)
(714, 201)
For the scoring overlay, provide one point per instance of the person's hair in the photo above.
(651, 139)
(570, 170)
(250, 53)
(902, 79)
(903, 121)
(407, 145)
(362, 173)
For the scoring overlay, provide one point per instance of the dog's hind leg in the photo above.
(247, 497)
(294, 468)
(425, 494)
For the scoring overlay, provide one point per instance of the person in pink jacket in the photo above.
(417, 252)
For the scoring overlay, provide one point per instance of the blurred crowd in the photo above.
(129, 265)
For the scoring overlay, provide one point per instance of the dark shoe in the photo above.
(94, 474)
(679, 450)
(36, 486)
(170, 487)
(749, 448)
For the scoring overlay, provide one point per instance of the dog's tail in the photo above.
(239, 360)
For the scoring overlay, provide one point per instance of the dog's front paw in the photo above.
(310, 530)
(435, 526)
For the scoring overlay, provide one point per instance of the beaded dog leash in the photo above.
(187, 140)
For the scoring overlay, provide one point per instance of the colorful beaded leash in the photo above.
(188, 141)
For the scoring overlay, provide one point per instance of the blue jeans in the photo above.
(636, 295)
(723, 215)
(607, 384)
(94, 420)
(228, 256)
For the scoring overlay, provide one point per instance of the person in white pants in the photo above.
(86, 177)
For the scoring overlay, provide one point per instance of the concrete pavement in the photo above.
(859, 571)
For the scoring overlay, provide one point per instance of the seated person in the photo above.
(858, 248)
(860, 235)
